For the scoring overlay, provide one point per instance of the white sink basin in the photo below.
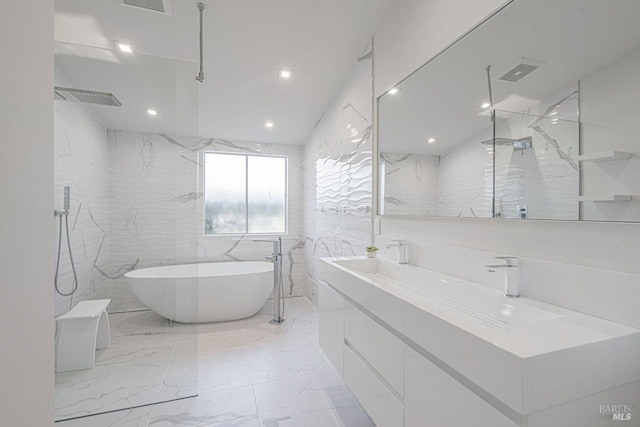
(486, 306)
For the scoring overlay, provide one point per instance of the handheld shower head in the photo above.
(67, 197)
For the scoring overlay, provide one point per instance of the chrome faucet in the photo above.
(511, 277)
(403, 250)
(278, 287)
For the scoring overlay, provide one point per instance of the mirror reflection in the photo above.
(536, 125)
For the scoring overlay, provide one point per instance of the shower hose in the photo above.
(73, 268)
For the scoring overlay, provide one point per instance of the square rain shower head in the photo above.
(520, 69)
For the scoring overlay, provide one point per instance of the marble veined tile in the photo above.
(95, 400)
(144, 340)
(279, 363)
(215, 375)
(122, 356)
(135, 417)
(206, 409)
(337, 177)
(143, 322)
(284, 374)
(220, 341)
(63, 381)
(342, 412)
(299, 389)
(101, 377)
(252, 421)
(177, 388)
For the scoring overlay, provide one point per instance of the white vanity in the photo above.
(421, 348)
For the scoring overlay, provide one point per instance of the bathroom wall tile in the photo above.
(156, 208)
(465, 179)
(606, 128)
(602, 293)
(81, 161)
(410, 184)
(337, 182)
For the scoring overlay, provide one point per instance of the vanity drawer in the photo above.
(377, 400)
(332, 325)
(433, 398)
(379, 347)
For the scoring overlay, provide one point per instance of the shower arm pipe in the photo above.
(493, 152)
(200, 76)
(491, 109)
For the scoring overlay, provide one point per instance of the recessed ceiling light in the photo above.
(486, 105)
(268, 124)
(431, 140)
(152, 111)
(285, 74)
(124, 47)
(393, 91)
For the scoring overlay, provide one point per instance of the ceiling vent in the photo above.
(85, 96)
(159, 6)
(522, 68)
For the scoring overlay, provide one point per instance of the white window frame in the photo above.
(246, 194)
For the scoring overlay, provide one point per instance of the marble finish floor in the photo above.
(249, 374)
(150, 360)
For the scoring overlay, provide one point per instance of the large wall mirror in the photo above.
(533, 114)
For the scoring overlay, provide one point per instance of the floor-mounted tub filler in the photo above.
(206, 292)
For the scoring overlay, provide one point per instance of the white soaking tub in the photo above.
(207, 292)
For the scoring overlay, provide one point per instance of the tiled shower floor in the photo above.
(249, 374)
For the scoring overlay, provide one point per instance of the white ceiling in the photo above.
(246, 43)
(443, 99)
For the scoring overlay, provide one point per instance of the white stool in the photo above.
(79, 333)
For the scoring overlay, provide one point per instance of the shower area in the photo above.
(127, 197)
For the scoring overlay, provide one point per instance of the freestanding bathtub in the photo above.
(201, 293)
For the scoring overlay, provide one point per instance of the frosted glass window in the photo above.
(245, 194)
(266, 205)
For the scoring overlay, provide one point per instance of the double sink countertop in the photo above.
(527, 354)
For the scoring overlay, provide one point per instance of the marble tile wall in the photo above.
(136, 201)
(545, 177)
(465, 181)
(81, 159)
(156, 210)
(410, 184)
(338, 176)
